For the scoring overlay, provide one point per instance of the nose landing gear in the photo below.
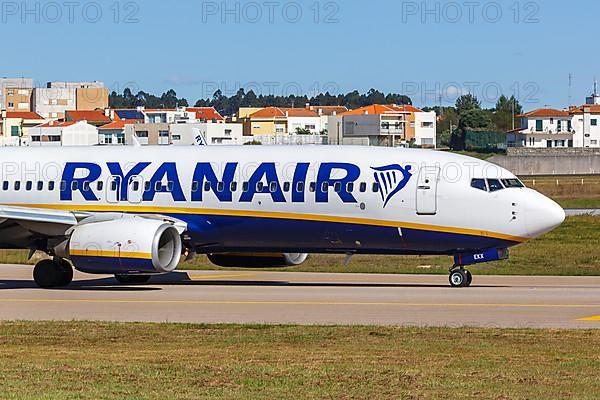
(460, 277)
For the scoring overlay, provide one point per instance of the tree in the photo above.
(506, 112)
(302, 131)
(467, 102)
(471, 120)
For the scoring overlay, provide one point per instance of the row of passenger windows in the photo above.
(494, 185)
(170, 186)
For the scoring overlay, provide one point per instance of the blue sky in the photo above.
(424, 49)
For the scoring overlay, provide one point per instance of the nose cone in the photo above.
(543, 214)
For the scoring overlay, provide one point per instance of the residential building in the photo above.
(114, 132)
(212, 134)
(96, 118)
(424, 128)
(69, 133)
(16, 126)
(56, 98)
(325, 112)
(19, 91)
(544, 127)
(207, 114)
(148, 133)
(282, 121)
(586, 125)
(168, 116)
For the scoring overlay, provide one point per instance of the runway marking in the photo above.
(194, 278)
(295, 303)
(590, 319)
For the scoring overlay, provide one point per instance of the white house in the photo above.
(586, 125)
(64, 134)
(212, 133)
(425, 128)
(544, 128)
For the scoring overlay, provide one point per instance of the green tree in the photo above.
(466, 103)
(470, 120)
(503, 114)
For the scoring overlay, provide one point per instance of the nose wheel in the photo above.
(460, 277)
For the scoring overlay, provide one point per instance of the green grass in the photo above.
(78, 360)
(572, 249)
(580, 203)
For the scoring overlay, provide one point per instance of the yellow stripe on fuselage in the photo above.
(275, 215)
(109, 254)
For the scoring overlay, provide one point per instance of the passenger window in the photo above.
(195, 186)
(170, 187)
(273, 187)
(86, 186)
(325, 186)
(337, 187)
(74, 185)
(221, 187)
(286, 187)
(5, 186)
(350, 187)
(147, 186)
(207, 186)
(40, 186)
(376, 187)
(29, 186)
(234, 186)
(363, 187)
(100, 185)
(300, 187)
(259, 187)
(17, 185)
(136, 186)
(113, 185)
(158, 187)
(494, 185)
(51, 186)
(245, 187)
(479, 184)
(63, 186)
(312, 187)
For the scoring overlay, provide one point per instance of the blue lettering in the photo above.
(299, 177)
(168, 170)
(116, 170)
(264, 171)
(324, 176)
(72, 183)
(204, 172)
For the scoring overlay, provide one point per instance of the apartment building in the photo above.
(56, 98)
(15, 94)
(282, 121)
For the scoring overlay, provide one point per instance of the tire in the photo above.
(67, 272)
(459, 279)
(469, 278)
(132, 279)
(48, 274)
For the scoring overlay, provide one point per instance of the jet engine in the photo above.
(251, 260)
(126, 246)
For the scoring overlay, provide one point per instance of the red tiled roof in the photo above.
(23, 115)
(594, 109)
(57, 124)
(93, 116)
(280, 112)
(328, 110)
(120, 124)
(378, 109)
(206, 113)
(544, 113)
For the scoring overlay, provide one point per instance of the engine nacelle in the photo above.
(242, 260)
(125, 246)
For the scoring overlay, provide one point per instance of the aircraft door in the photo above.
(429, 177)
(113, 189)
(135, 189)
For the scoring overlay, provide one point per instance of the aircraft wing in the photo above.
(22, 227)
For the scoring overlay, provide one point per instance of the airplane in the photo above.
(134, 212)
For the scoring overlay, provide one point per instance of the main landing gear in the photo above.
(460, 277)
(53, 273)
(132, 279)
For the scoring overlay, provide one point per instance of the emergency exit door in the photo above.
(427, 190)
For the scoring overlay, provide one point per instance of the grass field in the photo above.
(170, 361)
(572, 249)
(568, 191)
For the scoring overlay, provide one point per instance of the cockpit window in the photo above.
(494, 185)
(479, 184)
(512, 183)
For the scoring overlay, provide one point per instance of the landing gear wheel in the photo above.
(469, 278)
(132, 279)
(51, 274)
(460, 278)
